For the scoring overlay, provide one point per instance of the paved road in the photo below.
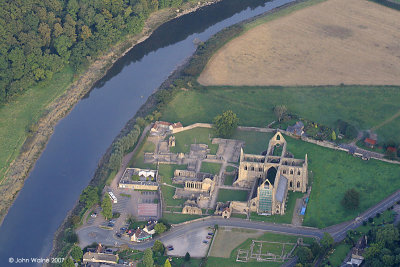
(338, 231)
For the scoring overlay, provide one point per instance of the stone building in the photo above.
(139, 179)
(191, 207)
(271, 176)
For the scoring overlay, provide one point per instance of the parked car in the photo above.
(208, 237)
(112, 221)
(170, 247)
(118, 235)
(123, 229)
(110, 224)
(205, 241)
(211, 233)
(109, 250)
(93, 215)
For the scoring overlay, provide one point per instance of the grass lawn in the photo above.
(160, 261)
(255, 142)
(175, 218)
(184, 139)
(230, 169)
(17, 117)
(339, 254)
(229, 179)
(363, 106)
(335, 172)
(231, 261)
(287, 218)
(210, 167)
(232, 195)
(137, 160)
(168, 192)
(166, 171)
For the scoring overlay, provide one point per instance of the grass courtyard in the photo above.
(362, 106)
(232, 195)
(209, 167)
(184, 139)
(137, 160)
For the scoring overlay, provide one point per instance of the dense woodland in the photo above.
(40, 37)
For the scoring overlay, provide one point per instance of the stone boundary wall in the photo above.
(195, 125)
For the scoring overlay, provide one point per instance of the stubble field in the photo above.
(330, 43)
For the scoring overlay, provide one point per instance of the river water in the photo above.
(80, 139)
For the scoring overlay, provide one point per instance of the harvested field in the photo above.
(333, 42)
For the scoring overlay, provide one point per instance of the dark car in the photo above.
(110, 224)
(118, 235)
(208, 237)
(205, 241)
(211, 234)
(170, 247)
(123, 229)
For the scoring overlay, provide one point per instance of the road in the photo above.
(338, 231)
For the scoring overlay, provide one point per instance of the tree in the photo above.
(167, 263)
(158, 247)
(280, 111)
(351, 199)
(333, 135)
(226, 124)
(106, 207)
(187, 256)
(326, 241)
(351, 132)
(304, 254)
(148, 258)
(315, 248)
(76, 253)
(387, 235)
(160, 228)
(89, 197)
(68, 263)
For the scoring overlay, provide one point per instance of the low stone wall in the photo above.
(189, 127)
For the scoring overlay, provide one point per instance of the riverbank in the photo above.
(34, 144)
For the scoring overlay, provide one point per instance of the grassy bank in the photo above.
(18, 118)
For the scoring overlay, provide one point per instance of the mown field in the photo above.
(362, 106)
(333, 173)
(19, 117)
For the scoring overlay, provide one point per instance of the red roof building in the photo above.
(391, 149)
(370, 142)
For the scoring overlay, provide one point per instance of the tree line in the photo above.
(40, 37)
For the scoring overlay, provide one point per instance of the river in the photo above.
(80, 139)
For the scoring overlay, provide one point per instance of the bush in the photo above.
(351, 199)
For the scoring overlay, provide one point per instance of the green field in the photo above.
(231, 261)
(362, 106)
(335, 172)
(232, 195)
(209, 167)
(184, 139)
(287, 217)
(166, 171)
(137, 160)
(19, 116)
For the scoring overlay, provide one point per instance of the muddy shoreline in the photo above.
(34, 145)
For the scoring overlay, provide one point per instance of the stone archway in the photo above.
(271, 174)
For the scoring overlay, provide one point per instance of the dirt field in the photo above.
(333, 42)
(229, 238)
